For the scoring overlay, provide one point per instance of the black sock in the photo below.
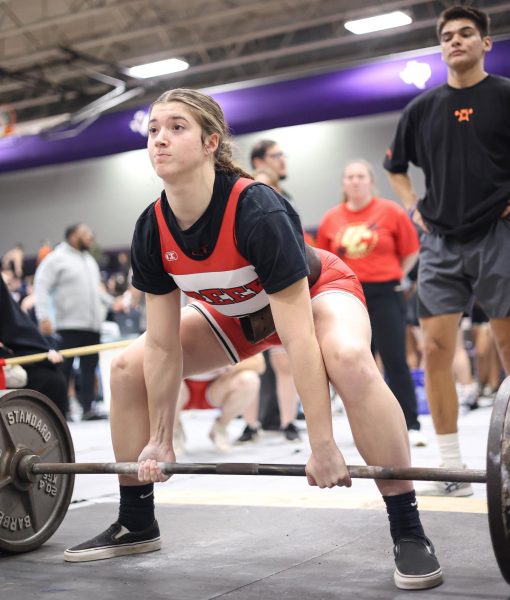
(404, 516)
(136, 510)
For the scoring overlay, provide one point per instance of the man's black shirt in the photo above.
(461, 140)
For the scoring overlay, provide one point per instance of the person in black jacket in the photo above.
(19, 336)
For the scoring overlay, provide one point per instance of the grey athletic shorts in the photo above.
(452, 273)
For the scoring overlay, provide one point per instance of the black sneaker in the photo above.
(250, 434)
(417, 567)
(116, 541)
(94, 415)
(291, 433)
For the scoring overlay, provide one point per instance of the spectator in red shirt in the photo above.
(378, 240)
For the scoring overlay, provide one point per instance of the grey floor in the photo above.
(246, 538)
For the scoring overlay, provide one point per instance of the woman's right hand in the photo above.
(326, 468)
(150, 456)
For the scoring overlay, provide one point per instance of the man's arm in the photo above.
(44, 281)
(402, 185)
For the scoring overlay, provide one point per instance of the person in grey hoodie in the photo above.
(70, 301)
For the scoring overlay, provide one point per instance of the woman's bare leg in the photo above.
(376, 419)
(129, 417)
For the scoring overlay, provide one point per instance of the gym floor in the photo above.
(243, 538)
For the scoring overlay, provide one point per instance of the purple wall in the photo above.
(362, 90)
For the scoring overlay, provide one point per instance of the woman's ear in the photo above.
(211, 143)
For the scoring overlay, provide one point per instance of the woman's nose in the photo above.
(161, 137)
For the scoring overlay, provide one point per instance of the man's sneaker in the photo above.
(219, 437)
(416, 438)
(116, 541)
(291, 433)
(250, 434)
(468, 396)
(417, 567)
(455, 489)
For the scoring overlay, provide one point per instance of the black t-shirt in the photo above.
(18, 333)
(267, 228)
(461, 140)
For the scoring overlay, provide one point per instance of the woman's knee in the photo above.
(350, 363)
(126, 372)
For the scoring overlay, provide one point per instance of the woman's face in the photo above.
(357, 182)
(175, 141)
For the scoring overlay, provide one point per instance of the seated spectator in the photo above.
(232, 390)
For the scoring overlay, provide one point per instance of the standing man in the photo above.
(278, 395)
(68, 284)
(459, 134)
(267, 153)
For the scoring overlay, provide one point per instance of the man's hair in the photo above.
(480, 19)
(70, 230)
(260, 149)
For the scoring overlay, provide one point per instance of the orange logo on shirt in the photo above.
(463, 114)
(356, 240)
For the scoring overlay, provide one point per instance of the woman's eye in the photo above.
(152, 130)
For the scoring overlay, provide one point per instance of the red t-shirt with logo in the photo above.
(371, 241)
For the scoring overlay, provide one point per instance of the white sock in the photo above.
(449, 450)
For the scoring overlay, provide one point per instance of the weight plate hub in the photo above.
(31, 508)
(498, 478)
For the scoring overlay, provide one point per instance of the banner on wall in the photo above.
(381, 86)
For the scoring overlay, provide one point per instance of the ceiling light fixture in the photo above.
(386, 21)
(158, 68)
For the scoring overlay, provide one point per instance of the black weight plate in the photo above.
(30, 513)
(498, 474)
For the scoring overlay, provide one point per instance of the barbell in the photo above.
(29, 359)
(37, 471)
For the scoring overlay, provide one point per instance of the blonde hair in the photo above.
(371, 174)
(209, 115)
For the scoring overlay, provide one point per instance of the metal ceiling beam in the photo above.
(145, 31)
(65, 18)
(204, 47)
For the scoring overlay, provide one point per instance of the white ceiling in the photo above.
(70, 56)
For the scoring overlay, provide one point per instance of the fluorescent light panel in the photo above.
(386, 21)
(158, 68)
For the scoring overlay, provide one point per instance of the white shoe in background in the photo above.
(416, 438)
(455, 489)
